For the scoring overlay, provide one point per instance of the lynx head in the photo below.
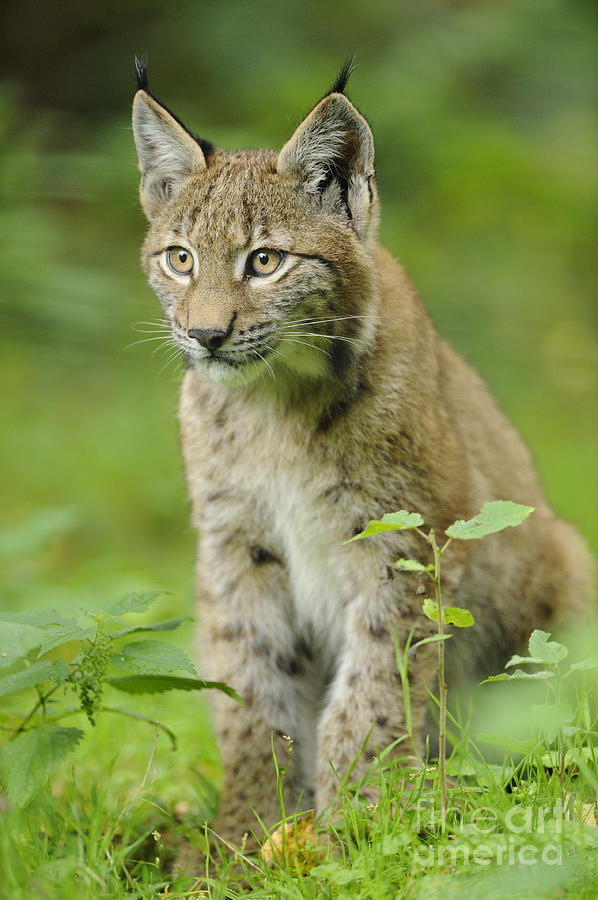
(262, 260)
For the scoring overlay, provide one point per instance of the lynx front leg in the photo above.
(367, 694)
(247, 736)
(247, 641)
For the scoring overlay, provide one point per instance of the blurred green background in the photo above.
(485, 124)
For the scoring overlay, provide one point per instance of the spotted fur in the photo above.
(330, 400)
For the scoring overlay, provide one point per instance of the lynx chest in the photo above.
(265, 489)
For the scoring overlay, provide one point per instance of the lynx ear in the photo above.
(167, 153)
(332, 154)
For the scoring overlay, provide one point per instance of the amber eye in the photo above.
(179, 260)
(264, 262)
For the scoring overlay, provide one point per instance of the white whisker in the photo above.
(174, 357)
(266, 363)
(319, 321)
(305, 344)
(158, 337)
(332, 337)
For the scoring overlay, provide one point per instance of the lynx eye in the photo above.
(179, 260)
(264, 262)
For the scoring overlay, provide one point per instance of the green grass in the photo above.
(105, 834)
(485, 146)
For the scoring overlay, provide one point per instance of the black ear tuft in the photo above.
(342, 78)
(142, 84)
(141, 73)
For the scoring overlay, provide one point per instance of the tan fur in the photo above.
(360, 411)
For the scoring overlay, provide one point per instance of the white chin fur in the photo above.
(223, 373)
(289, 362)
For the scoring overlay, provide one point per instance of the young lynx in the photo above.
(317, 395)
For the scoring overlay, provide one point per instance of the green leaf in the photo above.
(39, 671)
(157, 684)
(167, 625)
(40, 618)
(430, 608)
(134, 602)
(591, 663)
(518, 675)
(62, 636)
(451, 615)
(28, 761)
(152, 658)
(396, 521)
(17, 641)
(550, 717)
(412, 565)
(513, 744)
(391, 844)
(337, 874)
(521, 660)
(494, 516)
(60, 671)
(457, 616)
(433, 639)
(542, 648)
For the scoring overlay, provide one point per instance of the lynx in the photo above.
(317, 395)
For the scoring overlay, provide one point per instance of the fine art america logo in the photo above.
(505, 834)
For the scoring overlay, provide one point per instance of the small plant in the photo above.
(86, 657)
(494, 516)
(555, 718)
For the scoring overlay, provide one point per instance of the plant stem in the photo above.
(133, 715)
(40, 702)
(442, 687)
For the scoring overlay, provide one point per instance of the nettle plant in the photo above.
(564, 715)
(66, 665)
(494, 516)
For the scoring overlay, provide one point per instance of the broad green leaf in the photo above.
(28, 761)
(451, 615)
(134, 602)
(37, 617)
(396, 521)
(591, 663)
(542, 648)
(570, 730)
(391, 844)
(412, 565)
(60, 671)
(337, 874)
(168, 625)
(494, 516)
(518, 675)
(457, 766)
(430, 608)
(18, 640)
(457, 616)
(431, 640)
(513, 744)
(157, 684)
(60, 636)
(38, 671)
(550, 717)
(524, 660)
(152, 658)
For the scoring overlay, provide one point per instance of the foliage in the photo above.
(494, 516)
(485, 133)
(37, 744)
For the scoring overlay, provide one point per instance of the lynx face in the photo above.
(261, 260)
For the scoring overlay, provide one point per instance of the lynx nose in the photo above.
(210, 338)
